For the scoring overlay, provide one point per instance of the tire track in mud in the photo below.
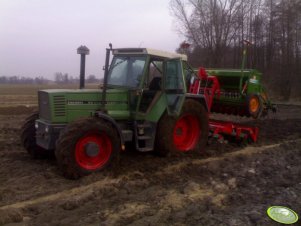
(87, 189)
(84, 191)
(245, 151)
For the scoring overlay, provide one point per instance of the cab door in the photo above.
(174, 86)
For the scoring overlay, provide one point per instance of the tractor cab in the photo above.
(153, 79)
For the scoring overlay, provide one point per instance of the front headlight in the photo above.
(46, 129)
(36, 125)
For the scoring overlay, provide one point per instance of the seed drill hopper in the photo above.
(241, 93)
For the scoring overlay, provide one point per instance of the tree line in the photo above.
(59, 78)
(216, 30)
(22, 80)
(64, 78)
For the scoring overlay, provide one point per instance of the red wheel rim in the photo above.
(186, 132)
(93, 151)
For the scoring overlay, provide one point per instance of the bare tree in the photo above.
(216, 29)
(212, 25)
(61, 78)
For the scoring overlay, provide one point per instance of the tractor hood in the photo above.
(66, 105)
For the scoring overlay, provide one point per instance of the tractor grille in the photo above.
(59, 103)
(44, 109)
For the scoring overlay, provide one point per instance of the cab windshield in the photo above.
(126, 71)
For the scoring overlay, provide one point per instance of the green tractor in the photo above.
(150, 98)
(144, 101)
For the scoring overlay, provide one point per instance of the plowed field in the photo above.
(227, 185)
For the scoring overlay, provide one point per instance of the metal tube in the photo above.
(104, 89)
(244, 62)
(82, 71)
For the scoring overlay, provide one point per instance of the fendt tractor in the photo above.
(149, 98)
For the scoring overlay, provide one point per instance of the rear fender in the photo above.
(201, 99)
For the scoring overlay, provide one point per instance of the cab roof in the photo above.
(147, 51)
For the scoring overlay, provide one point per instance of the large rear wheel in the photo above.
(28, 138)
(86, 146)
(184, 134)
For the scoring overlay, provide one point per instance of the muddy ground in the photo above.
(226, 185)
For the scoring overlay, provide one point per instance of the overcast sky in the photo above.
(40, 37)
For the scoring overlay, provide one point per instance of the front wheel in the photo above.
(86, 146)
(183, 134)
(28, 138)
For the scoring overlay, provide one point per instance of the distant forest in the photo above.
(59, 78)
(216, 30)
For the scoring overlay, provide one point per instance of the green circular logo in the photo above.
(282, 214)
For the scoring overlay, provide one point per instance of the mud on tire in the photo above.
(86, 146)
(187, 133)
(28, 138)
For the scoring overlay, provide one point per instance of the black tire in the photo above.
(28, 138)
(254, 105)
(165, 143)
(71, 154)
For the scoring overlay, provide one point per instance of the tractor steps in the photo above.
(145, 149)
(144, 135)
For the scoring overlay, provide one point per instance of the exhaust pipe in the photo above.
(83, 51)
